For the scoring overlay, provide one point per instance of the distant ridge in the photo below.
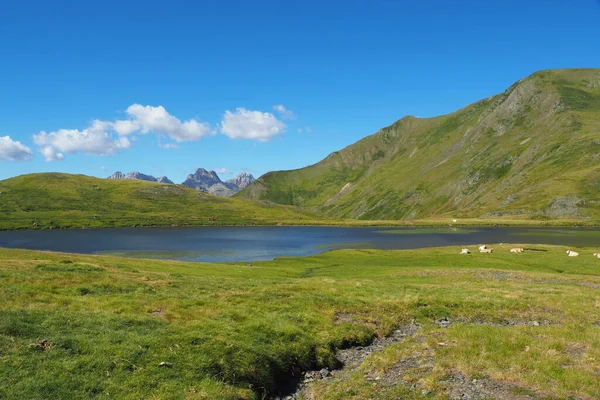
(202, 180)
(139, 176)
(209, 181)
(57, 200)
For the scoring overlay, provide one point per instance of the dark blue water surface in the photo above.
(225, 244)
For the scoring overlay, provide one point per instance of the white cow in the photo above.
(516, 250)
(489, 251)
(571, 253)
(465, 251)
(483, 247)
(597, 255)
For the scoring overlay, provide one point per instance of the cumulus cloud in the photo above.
(108, 137)
(94, 139)
(247, 124)
(125, 127)
(284, 112)
(158, 120)
(12, 150)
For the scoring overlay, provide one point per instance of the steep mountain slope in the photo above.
(532, 151)
(52, 200)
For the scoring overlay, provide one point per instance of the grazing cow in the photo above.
(597, 255)
(465, 251)
(488, 251)
(483, 247)
(516, 250)
(571, 253)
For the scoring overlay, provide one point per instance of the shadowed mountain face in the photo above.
(202, 180)
(533, 151)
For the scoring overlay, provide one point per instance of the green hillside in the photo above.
(530, 152)
(53, 200)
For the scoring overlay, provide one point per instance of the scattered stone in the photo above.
(165, 364)
(444, 322)
(351, 358)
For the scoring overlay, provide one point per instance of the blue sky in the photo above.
(176, 85)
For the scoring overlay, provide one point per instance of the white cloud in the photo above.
(99, 138)
(308, 130)
(125, 127)
(246, 124)
(223, 171)
(284, 112)
(11, 150)
(94, 139)
(299, 130)
(158, 120)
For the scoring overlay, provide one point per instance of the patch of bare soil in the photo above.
(43, 345)
(409, 371)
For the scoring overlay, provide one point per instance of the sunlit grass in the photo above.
(230, 331)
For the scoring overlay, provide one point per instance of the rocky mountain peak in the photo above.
(242, 180)
(139, 176)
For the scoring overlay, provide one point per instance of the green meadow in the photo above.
(81, 327)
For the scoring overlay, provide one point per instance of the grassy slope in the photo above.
(61, 200)
(228, 331)
(512, 154)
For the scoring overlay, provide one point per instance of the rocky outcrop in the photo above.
(242, 180)
(202, 180)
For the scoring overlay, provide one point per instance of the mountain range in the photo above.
(202, 180)
(532, 152)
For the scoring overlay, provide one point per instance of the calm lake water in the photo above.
(226, 244)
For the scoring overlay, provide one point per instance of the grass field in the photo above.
(80, 327)
(55, 200)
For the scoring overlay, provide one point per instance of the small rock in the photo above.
(526, 349)
(444, 322)
(164, 364)
(425, 392)
(324, 373)
(441, 344)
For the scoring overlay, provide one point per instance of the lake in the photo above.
(229, 244)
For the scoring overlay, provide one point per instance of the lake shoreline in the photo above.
(255, 243)
(471, 223)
